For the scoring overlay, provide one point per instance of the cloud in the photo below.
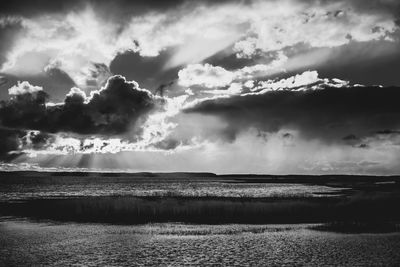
(118, 117)
(381, 140)
(76, 42)
(319, 24)
(324, 109)
(273, 154)
(14, 141)
(24, 88)
(204, 75)
(77, 37)
(208, 76)
(64, 144)
(301, 124)
(114, 109)
(305, 81)
(9, 141)
(9, 30)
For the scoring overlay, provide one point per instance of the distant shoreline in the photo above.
(186, 174)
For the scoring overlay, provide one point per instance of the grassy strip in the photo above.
(379, 207)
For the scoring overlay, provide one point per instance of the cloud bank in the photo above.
(279, 122)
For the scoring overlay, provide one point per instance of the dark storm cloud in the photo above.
(111, 110)
(38, 7)
(168, 144)
(149, 72)
(387, 131)
(12, 141)
(230, 61)
(372, 6)
(328, 114)
(35, 7)
(118, 7)
(350, 137)
(9, 141)
(287, 135)
(387, 138)
(368, 63)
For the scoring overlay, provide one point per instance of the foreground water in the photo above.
(24, 243)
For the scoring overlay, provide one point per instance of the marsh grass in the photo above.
(382, 207)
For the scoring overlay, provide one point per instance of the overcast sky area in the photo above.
(273, 87)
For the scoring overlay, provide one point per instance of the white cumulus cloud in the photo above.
(24, 88)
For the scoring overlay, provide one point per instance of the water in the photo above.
(66, 244)
(64, 187)
(60, 204)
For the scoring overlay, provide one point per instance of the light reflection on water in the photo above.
(27, 243)
(172, 188)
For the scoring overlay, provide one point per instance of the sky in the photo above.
(265, 87)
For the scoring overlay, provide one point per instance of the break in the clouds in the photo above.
(226, 86)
